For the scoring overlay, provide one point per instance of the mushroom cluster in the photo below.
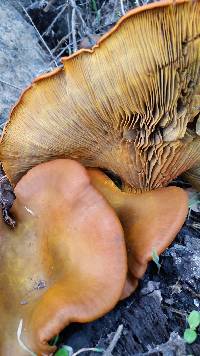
(128, 107)
(66, 259)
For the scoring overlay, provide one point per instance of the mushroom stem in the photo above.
(150, 220)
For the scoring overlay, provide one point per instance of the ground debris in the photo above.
(7, 197)
(66, 26)
(174, 346)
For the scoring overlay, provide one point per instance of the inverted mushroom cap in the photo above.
(125, 105)
(65, 261)
(150, 220)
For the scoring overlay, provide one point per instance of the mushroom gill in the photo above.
(126, 105)
(64, 262)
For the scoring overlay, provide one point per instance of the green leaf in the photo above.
(64, 351)
(194, 319)
(190, 336)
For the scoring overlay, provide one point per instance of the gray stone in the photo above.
(21, 56)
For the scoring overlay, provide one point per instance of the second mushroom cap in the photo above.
(64, 262)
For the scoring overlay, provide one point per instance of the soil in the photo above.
(154, 318)
(159, 307)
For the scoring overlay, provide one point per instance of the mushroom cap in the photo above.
(150, 220)
(124, 105)
(64, 262)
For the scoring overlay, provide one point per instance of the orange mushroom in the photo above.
(151, 220)
(64, 262)
(125, 105)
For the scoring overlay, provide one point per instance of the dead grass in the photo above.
(62, 25)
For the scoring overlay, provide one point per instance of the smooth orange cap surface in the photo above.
(150, 220)
(65, 261)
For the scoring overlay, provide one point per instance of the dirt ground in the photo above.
(152, 320)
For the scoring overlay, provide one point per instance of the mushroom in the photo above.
(193, 176)
(125, 105)
(150, 220)
(64, 262)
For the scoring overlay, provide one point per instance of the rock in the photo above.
(21, 56)
(175, 346)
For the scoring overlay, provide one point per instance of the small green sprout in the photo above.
(194, 319)
(190, 334)
(155, 258)
(64, 351)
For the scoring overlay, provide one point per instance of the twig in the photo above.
(114, 12)
(175, 311)
(87, 349)
(63, 50)
(10, 85)
(196, 295)
(46, 32)
(50, 3)
(67, 47)
(74, 30)
(114, 341)
(70, 36)
(24, 347)
(102, 5)
(74, 6)
(42, 39)
(137, 3)
(29, 211)
(122, 7)
(61, 42)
